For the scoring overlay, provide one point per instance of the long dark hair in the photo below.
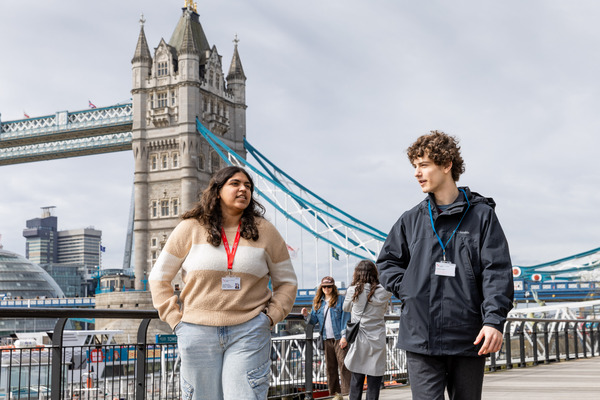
(320, 295)
(208, 209)
(365, 272)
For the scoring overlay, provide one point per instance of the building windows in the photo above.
(153, 162)
(172, 99)
(175, 160)
(162, 100)
(154, 257)
(175, 207)
(164, 161)
(201, 162)
(164, 208)
(163, 68)
(215, 162)
(154, 209)
(153, 242)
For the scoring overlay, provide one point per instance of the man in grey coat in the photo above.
(447, 260)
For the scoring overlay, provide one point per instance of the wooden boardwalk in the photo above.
(573, 380)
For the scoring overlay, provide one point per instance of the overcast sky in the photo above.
(336, 92)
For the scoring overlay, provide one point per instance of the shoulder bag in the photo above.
(353, 327)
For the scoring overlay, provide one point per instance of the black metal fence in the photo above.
(144, 370)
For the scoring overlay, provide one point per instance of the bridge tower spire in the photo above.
(182, 81)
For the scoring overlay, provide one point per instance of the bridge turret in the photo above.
(236, 79)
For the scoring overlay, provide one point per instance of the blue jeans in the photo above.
(225, 362)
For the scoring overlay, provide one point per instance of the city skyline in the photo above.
(336, 92)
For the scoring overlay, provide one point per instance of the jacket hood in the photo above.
(474, 198)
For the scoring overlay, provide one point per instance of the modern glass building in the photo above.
(22, 279)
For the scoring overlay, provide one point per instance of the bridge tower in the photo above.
(184, 80)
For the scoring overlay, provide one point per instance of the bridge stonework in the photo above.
(184, 80)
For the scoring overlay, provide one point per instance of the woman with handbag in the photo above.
(367, 300)
(327, 312)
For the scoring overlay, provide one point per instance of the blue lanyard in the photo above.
(455, 229)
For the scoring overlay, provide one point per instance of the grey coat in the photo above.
(367, 354)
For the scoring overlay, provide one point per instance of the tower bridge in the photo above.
(187, 119)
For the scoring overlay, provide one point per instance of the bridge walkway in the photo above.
(575, 379)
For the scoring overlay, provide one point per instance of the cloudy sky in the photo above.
(336, 91)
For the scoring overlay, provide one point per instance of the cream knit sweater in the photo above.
(202, 299)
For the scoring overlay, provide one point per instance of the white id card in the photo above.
(230, 283)
(445, 268)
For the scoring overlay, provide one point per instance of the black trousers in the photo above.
(373, 386)
(429, 376)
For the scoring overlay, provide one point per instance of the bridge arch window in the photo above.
(162, 100)
(173, 99)
(154, 209)
(163, 68)
(153, 242)
(164, 161)
(201, 162)
(215, 162)
(175, 203)
(175, 160)
(153, 162)
(164, 208)
(210, 78)
(153, 257)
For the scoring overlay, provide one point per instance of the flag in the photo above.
(102, 249)
(335, 254)
(91, 104)
(25, 114)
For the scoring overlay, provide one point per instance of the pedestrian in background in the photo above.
(328, 313)
(367, 301)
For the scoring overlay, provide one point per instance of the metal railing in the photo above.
(145, 370)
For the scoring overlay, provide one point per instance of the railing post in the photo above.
(508, 346)
(308, 362)
(535, 343)
(567, 357)
(140, 361)
(493, 362)
(557, 342)
(57, 353)
(522, 363)
(546, 344)
(584, 341)
(592, 339)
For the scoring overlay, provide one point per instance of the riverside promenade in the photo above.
(575, 379)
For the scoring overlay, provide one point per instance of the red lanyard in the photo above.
(231, 253)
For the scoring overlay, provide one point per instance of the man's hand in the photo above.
(493, 340)
(343, 343)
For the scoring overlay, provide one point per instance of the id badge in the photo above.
(230, 283)
(445, 268)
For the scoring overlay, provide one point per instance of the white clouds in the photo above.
(336, 92)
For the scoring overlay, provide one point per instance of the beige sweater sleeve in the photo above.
(283, 276)
(164, 270)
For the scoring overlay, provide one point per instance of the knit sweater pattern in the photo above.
(202, 300)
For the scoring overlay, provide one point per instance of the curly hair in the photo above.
(365, 272)
(320, 295)
(441, 148)
(208, 210)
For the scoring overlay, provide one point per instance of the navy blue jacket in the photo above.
(339, 318)
(443, 315)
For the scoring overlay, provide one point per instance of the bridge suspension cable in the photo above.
(313, 214)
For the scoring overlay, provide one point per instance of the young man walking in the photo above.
(447, 260)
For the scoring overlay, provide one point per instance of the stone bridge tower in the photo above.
(182, 81)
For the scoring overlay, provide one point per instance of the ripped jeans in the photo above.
(225, 362)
